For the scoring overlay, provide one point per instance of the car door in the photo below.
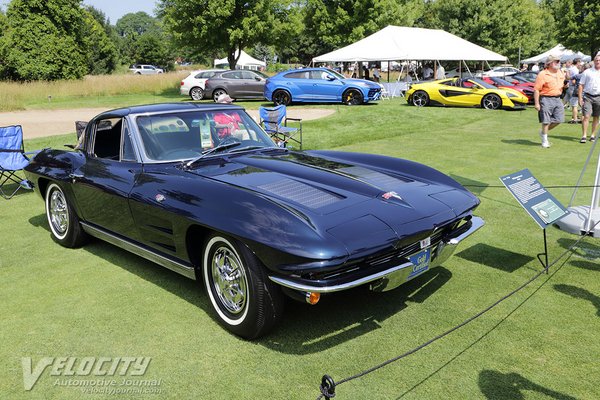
(459, 92)
(325, 87)
(103, 183)
(254, 84)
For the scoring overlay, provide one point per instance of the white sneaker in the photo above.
(545, 142)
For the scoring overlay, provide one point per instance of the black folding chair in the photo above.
(12, 159)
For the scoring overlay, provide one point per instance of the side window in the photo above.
(233, 75)
(128, 153)
(296, 75)
(108, 140)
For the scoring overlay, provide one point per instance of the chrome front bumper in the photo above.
(391, 277)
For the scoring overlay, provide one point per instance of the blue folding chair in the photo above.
(12, 159)
(275, 122)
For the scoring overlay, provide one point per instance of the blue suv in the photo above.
(319, 85)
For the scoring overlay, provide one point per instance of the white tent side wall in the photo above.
(244, 62)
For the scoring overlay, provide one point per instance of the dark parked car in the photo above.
(320, 85)
(221, 203)
(238, 84)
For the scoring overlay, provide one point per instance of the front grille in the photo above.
(373, 92)
(388, 259)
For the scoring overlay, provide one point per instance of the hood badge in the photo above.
(390, 195)
(159, 197)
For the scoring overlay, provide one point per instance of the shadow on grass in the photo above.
(346, 315)
(495, 257)
(521, 142)
(580, 293)
(574, 138)
(304, 329)
(498, 386)
(476, 187)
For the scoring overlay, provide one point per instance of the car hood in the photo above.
(361, 82)
(342, 198)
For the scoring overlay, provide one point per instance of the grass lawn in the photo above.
(542, 343)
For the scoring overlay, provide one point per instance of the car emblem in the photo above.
(159, 197)
(389, 195)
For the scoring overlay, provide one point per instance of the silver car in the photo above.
(238, 84)
(145, 69)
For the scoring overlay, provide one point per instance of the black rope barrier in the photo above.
(328, 384)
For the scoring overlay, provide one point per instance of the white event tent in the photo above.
(559, 50)
(244, 62)
(394, 43)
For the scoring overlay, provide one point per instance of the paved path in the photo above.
(38, 123)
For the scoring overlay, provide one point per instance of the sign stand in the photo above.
(537, 201)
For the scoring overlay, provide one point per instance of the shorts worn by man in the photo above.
(589, 99)
(548, 87)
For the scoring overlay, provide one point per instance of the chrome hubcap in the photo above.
(229, 280)
(59, 214)
(491, 103)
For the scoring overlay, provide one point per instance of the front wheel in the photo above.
(352, 98)
(197, 93)
(245, 301)
(282, 97)
(491, 102)
(64, 223)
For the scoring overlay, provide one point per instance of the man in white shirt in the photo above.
(427, 72)
(589, 98)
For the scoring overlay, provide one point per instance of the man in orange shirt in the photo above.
(548, 87)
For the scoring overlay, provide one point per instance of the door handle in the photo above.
(74, 177)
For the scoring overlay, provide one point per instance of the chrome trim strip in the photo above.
(476, 223)
(140, 251)
(344, 286)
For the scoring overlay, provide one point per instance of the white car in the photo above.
(501, 71)
(195, 83)
(145, 69)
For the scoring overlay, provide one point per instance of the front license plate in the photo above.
(420, 262)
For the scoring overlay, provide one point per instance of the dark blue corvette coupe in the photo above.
(319, 85)
(202, 190)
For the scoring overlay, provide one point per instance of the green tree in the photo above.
(100, 49)
(503, 26)
(330, 24)
(44, 39)
(142, 40)
(216, 27)
(578, 24)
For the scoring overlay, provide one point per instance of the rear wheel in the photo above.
(420, 98)
(352, 97)
(245, 301)
(282, 97)
(64, 223)
(491, 101)
(197, 93)
(217, 93)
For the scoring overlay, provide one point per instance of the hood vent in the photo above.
(382, 181)
(301, 193)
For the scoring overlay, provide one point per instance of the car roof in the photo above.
(165, 107)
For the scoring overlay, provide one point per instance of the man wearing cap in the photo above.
(589, 98)
(548, 87)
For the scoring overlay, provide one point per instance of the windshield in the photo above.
(335, 73)
(186, 135)
(502, 82)
(482, 83)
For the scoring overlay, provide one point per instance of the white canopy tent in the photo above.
(244, 62)
(394, 43)
(559, 50)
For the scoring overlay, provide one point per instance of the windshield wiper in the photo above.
(211, 151)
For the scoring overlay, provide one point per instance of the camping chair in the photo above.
(274, 121)
(12, 159)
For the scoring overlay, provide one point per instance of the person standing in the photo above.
(547, 90)
(589, 98)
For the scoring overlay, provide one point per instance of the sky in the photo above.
(113, 9)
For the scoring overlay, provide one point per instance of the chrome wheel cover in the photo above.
(229, 280)
(197, 94)
(58, 213)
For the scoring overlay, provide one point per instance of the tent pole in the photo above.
(388, 71)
